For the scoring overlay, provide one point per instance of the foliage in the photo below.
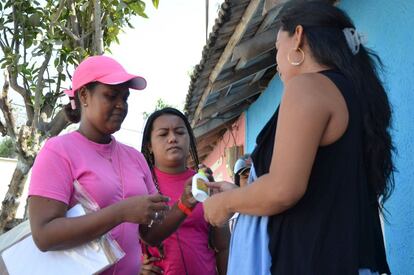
(158, 106)
(7, 148)
(40, 42)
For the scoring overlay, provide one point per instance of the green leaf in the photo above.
(155, 3)
(28, 43)
(143, 14)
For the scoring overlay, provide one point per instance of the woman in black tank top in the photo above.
(324, 160)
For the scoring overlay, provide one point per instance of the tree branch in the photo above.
(5, 37)
(39, 89)
(58, 12)
(98, 41)
(70, 34)
(49, 107)
(13, 71)
(3, 129)
(56, 126)
(74, 22)
(7, 110)
(2, 45)
(16, 40)
(24, 93)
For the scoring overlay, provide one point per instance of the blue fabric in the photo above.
(249, 252)
(367, 271)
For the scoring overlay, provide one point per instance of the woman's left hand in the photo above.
(215, 210)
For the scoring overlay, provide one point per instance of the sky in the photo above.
(163, 49)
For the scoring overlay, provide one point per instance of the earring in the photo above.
(85, 104)
(296, 63)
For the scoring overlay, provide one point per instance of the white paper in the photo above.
(25, 258)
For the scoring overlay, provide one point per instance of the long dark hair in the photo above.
(146, 138)
(323, 26)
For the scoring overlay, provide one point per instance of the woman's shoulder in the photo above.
(61, 142)
(131, 152)
(310, 89)
(127, 148)
(308, 83)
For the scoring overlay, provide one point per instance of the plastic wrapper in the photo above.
(19, 254)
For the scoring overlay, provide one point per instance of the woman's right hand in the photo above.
(148, 268)
(146, 209)
(221, 186)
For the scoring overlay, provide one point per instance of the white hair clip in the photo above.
(73, 104)
(353, 39)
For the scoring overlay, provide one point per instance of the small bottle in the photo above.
(199, 189)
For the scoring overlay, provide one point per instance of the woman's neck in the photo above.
(94, 136)
(171, 169)
(311, 66)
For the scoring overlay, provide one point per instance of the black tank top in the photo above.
(335, 227)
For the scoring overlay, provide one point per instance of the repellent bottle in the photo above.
(199, 189)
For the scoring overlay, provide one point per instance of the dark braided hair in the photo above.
(323, 26)
(146, 139)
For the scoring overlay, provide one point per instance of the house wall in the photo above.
(216, 160)
(261, 110)
(388, 27)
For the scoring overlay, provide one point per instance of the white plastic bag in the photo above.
(20, 255)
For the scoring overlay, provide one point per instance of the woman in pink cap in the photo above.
(116, 176)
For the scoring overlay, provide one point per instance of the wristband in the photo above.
(187, 211)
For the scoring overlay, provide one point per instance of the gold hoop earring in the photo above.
(296, 63)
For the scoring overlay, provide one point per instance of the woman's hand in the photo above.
(148, 268)
(215, 211)
(207, 171)
(187, 196)
(221, 186)
(146, 209)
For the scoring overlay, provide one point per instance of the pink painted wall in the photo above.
(216, 160)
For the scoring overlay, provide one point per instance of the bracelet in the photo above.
(186, 210)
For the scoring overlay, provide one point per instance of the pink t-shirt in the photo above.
(108, 172)
(188, 246)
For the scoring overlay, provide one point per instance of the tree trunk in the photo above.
(12, 199)
(98, 37)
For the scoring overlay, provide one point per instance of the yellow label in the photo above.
(201, 185)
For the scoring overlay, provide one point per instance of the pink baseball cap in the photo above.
(105, 70)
